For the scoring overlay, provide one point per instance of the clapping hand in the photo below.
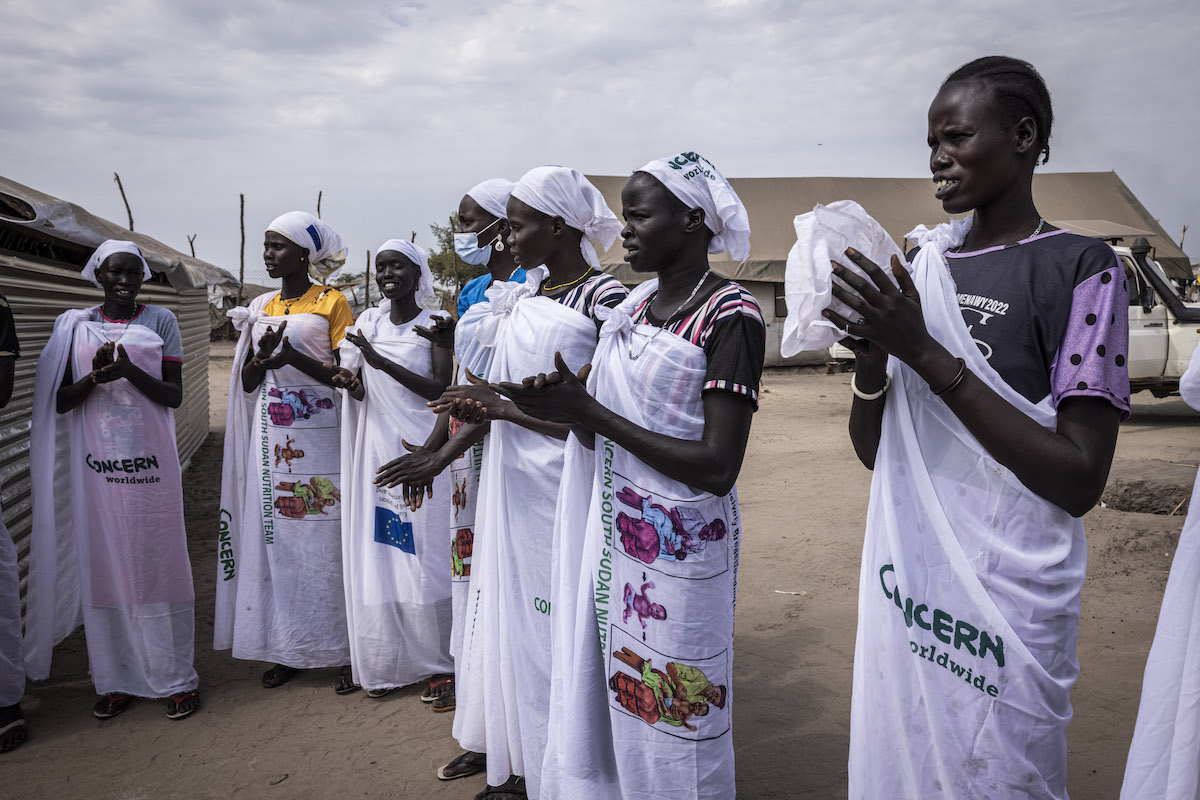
(560, 396)
(441, 333)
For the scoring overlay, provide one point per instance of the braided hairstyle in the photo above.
(1018, 88)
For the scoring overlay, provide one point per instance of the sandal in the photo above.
(277, 676)
(444, 702)
(511, 789)
(111, 705)
(464, 766)
(13, 735)
(377, 693)
(345, 683)
(436, 687)
(183, 704)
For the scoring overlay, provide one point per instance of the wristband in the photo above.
(861, 395)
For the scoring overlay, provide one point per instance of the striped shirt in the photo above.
(728, 326)
(599, 290)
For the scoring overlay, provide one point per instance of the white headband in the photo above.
(326, 250)
(694, 180)
(564, 192)
(418, 256)
(108, 248)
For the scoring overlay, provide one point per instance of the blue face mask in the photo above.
(467, 246)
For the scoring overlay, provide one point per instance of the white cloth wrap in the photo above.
(492, 196)
(1164, 759)
(425, 296)
(110, 550)
(601, 751)
(694, 180)
(108, 248)
(279, 580)
(506, 647)
(12, 662)
(394, 560)
(822, 236)
(326, 250)
(564, 192)
(993, 574)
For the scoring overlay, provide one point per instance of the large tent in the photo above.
(1091, 203)
(900, 204)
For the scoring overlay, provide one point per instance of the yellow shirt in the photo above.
(321, 300)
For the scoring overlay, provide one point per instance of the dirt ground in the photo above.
(804, 500)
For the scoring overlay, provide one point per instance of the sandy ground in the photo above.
(804, 498)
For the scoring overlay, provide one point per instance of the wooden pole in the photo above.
(242, 259)
(192, 244)
(1182, 236)
(319, 204)
(117, 178)
(367, 279)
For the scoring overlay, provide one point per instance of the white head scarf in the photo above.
(492, 196)
(564, 192)
(417, 255)
(326, 250)
(107, 249)
(693, 179)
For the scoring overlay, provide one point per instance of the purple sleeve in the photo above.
(1091, 357)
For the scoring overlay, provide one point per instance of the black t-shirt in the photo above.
(9, 346)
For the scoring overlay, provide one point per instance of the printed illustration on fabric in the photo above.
(304, 497)
(309, 406)
(685, 698)
(393, 521)
(464, 476)
(681, 539)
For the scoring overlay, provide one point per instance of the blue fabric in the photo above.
(474, 291)
(390, 529)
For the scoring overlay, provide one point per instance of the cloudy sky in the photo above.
(394, 109)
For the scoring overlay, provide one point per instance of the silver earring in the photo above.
(499, 246)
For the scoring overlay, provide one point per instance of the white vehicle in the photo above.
(1163, 329)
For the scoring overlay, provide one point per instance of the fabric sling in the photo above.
(394, 559)
(279, 578)
(112, 552)
(969, 594)
(644, 607)
(1164, 758)
(507, 634)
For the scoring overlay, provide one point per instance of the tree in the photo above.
(444, 263)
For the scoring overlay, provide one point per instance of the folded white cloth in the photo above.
(492, 196)
(564, 192)
(108, 248)
(822, 235)
(693, 179)
(326, 250)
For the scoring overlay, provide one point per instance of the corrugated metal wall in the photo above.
(38, 292)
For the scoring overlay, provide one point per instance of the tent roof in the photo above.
(1091, 203)
(77, 233)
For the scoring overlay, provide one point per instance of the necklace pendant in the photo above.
(287, 311)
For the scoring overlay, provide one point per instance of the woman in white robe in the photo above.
(648, 526)
(398, 606)
(987, 405)
(108, 547)
(280, 595)
(553, 214)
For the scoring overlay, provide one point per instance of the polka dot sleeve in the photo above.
(1091, 358)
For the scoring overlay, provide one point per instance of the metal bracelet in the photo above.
(954, 382)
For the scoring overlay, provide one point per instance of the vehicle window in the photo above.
(1135, 281)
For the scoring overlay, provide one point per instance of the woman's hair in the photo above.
(1018, 88)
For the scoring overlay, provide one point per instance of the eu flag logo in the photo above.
(390, 529)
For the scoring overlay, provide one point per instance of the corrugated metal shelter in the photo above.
(1091, 199)
(44, 243)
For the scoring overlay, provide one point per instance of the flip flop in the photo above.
(377, 693)
(443, 703)
(431, 691)
(174, 711)
(277, 676)
(111, 705)
(466, 765)
(345, 683)
(16, 726)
